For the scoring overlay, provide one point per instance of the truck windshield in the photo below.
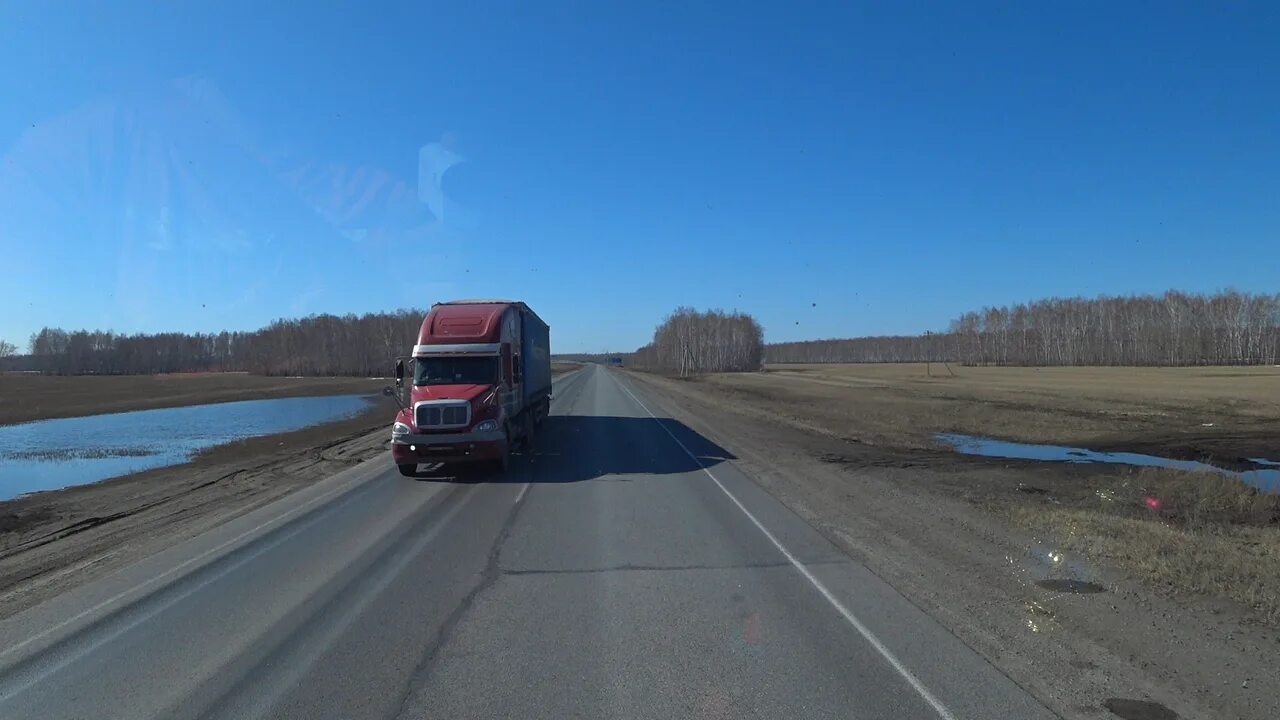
(455, 371)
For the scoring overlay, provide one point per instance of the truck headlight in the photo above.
(400, 429)
(487, 426)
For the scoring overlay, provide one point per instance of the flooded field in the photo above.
(50, 454)
(1266, 478)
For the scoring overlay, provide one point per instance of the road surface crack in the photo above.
(489, 576)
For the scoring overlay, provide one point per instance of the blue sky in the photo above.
(897, 164)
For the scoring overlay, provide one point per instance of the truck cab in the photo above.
(479, 383)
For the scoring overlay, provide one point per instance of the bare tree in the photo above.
(316, 345)
(690, 342)
(1177, 328)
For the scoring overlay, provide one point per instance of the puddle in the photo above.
(1267, 479)
(1051, 568)
(51, 454)
(1079, 587)
(1139, 709)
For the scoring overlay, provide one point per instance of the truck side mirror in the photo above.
(399, 373)
(390, 392)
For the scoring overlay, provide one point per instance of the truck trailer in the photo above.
(480, 377)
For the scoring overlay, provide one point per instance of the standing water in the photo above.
(51, 454)
(1266, 479)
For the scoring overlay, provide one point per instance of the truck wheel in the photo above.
(409, 470)
(504, 461)
(499, 466)
(526, 443)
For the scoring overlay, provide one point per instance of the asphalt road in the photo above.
(624, 569)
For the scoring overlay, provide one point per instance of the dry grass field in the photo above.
(1179, 532)
(1224, 413)
(26, 397)
(1199, 533)
(1172, 579)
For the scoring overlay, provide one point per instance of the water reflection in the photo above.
(50, 454)
(1264, 479)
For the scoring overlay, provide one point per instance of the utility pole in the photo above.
(928, 356)
(928, 353)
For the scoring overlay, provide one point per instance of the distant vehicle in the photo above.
(615, 361)
(481, 383)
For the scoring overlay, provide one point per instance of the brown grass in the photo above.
(1202, 533)
(900, 405)
(1195, 499)
(560, 368)
(25, 397)
(1180, 532)
(1158, 386)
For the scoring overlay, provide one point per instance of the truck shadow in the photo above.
(574, 448)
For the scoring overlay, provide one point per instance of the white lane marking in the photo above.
(156, 578)
(185, 563)
(852, 619)
(38, 675)
(520, 497)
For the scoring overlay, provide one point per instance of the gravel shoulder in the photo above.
(51, 541)
(938, 527)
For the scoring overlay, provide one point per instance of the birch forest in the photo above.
(364, 345)
(689, 342)
(1176, 328)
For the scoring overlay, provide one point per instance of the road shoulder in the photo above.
(964, 565)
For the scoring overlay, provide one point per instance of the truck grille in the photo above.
(433, 415)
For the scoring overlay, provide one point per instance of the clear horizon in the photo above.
(835, 172)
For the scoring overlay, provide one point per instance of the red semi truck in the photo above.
(481, 383)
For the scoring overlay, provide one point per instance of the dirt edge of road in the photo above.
(52, 541)
(942, 543)
(56, 540)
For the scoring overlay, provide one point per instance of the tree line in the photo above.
(690, 342)
(1176, 328)
(363, 345)
(882, 349)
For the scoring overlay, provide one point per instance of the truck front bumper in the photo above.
(448, 447)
